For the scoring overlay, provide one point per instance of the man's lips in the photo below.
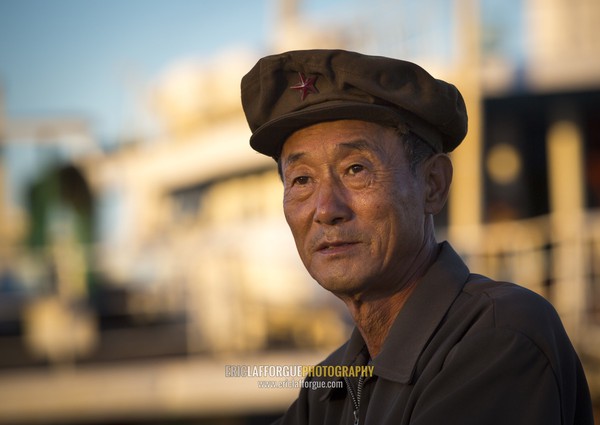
(334, 246)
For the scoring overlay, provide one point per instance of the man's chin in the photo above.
(343, 287)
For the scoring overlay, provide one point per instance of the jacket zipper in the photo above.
(355, 397)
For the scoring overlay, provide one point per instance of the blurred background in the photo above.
(142, 242)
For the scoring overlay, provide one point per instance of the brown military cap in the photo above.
(285, 92)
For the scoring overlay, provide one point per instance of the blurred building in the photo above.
(144, 270)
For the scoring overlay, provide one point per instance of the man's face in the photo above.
(355, 209)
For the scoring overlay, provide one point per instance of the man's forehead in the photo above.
(339, 138)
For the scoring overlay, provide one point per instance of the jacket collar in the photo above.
(418, 319)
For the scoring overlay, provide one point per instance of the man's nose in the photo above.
(331, 203)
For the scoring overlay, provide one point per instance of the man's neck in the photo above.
(374, 317)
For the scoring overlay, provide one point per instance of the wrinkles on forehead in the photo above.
(342, 148)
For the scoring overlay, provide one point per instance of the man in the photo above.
(361, 143)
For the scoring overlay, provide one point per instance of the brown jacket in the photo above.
(463, 350)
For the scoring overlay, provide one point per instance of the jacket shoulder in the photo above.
(517, 309)
(513, 306)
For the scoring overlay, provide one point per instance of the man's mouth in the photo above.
(334, 246)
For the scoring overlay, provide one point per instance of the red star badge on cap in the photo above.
(305, 86)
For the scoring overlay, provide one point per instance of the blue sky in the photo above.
(78, 57)
(64, 57)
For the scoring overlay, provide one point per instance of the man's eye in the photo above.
(355, 169)
(301, 180)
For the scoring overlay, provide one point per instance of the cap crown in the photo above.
(285, 92)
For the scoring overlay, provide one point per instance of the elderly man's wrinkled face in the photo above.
(355, 209)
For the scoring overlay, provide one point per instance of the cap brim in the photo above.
(269, 138)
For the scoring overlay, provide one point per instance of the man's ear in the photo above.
(437, 173)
